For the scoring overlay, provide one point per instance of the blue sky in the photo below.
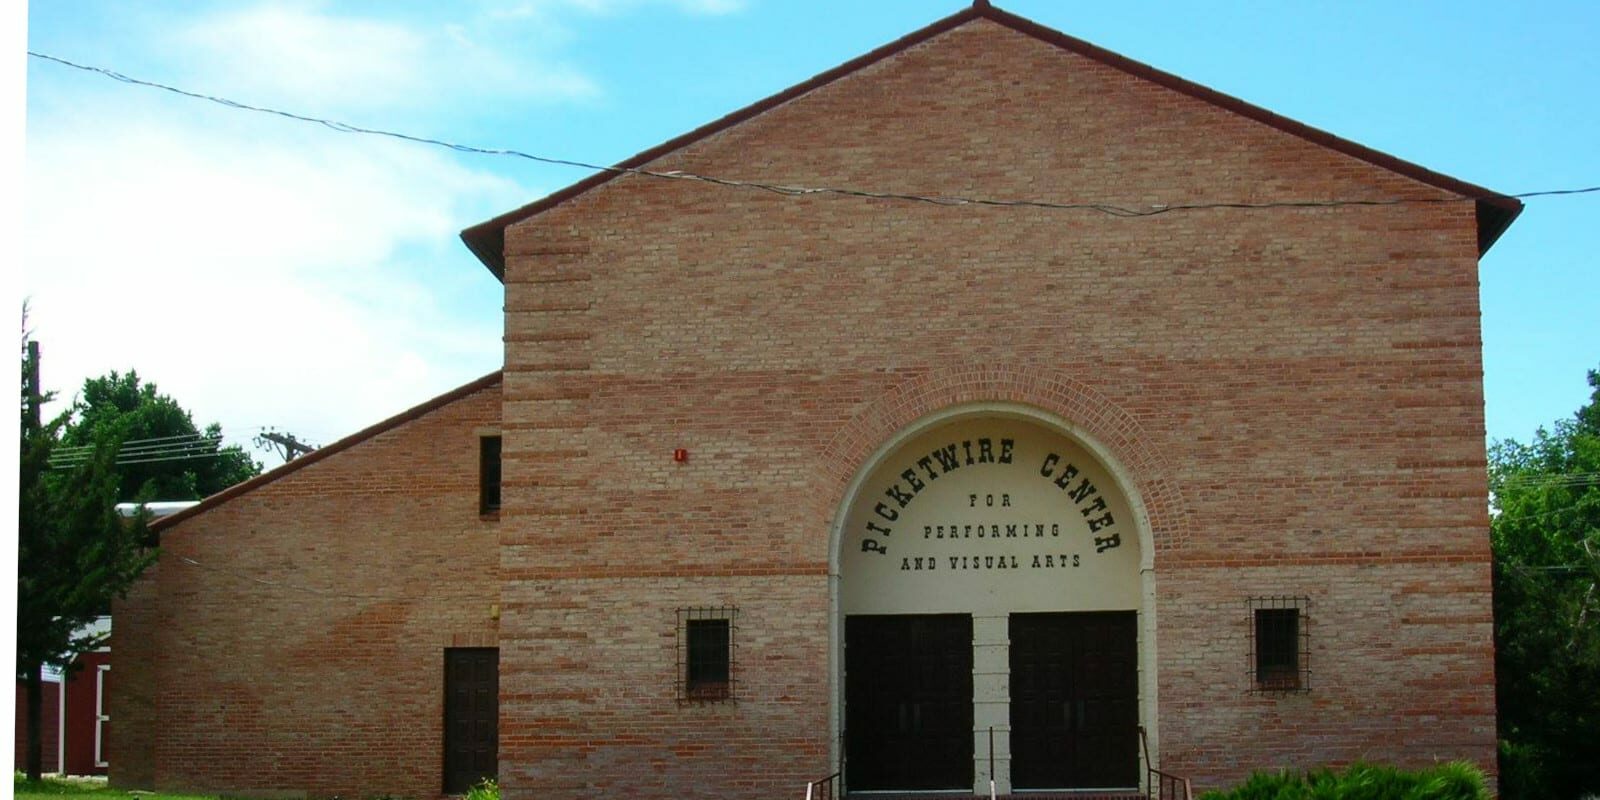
(268, 272)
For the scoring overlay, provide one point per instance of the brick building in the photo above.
(771, 483)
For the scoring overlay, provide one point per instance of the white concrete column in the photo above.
(991, 701)
(1148, 683)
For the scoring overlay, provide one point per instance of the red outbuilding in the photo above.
(76, 720)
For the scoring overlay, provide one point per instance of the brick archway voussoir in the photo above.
(1046, 389)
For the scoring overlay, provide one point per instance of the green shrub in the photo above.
(1281, 785)
(1456, 780)
(1453, 781)
(486, 789)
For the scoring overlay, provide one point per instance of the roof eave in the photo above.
(1495, 215)
(291, 467)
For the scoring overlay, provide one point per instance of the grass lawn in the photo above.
(86, 789)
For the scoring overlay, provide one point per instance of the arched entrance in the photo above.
(991, 573)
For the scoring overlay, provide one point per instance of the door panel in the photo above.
(1074, 700)
(908, 702)
(471, 717)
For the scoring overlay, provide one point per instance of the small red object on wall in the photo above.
(680, 455)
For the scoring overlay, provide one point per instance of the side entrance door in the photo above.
(1074, 700)
(471, 716)
(908, 702)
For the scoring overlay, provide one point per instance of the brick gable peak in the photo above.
(1495, 211)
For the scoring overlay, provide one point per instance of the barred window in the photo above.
(1280, 644)
(706, 654)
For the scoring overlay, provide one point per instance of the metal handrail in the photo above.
(1167, 786)
(1159, 785)
(823, 788)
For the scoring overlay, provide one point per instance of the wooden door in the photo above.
(1074, 700)
(471, 716)
(908, 702)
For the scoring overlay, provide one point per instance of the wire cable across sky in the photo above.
(792, 190)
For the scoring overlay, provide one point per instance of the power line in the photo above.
(136, 457)
(133, 442)
(1521, 517)
(217, 454)
(195, 445)
(119, 462)
(159, 448)
(133, 458)
(1570, 479)
(792, 190)
(88, 449)
(1566, 568)
(171, 449)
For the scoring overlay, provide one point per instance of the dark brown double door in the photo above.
(1074, 700)
(471, 716)
(908, 702)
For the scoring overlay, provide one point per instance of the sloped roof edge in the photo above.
(1495, 211)
(291, 467)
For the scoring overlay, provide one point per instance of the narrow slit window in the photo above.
(488, 475)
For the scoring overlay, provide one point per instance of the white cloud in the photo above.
(259, 279)
(539, 8)
(273, 273)
(319, 60)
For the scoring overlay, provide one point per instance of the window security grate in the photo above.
(707, 645)
(1280, 644)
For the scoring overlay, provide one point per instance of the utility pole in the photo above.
(35, 398)
(35, 681)
(288, 446)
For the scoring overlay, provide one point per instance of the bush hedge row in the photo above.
(1453, 781)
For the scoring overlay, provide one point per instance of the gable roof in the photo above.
(1495, 211)
(291, 467)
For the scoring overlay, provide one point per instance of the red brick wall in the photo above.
(1298, 394)
(137, 620)
(292, 638)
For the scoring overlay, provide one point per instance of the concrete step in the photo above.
(1085, 795)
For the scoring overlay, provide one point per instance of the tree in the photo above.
(166, 456)
(1546, 538)
(75, 552)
